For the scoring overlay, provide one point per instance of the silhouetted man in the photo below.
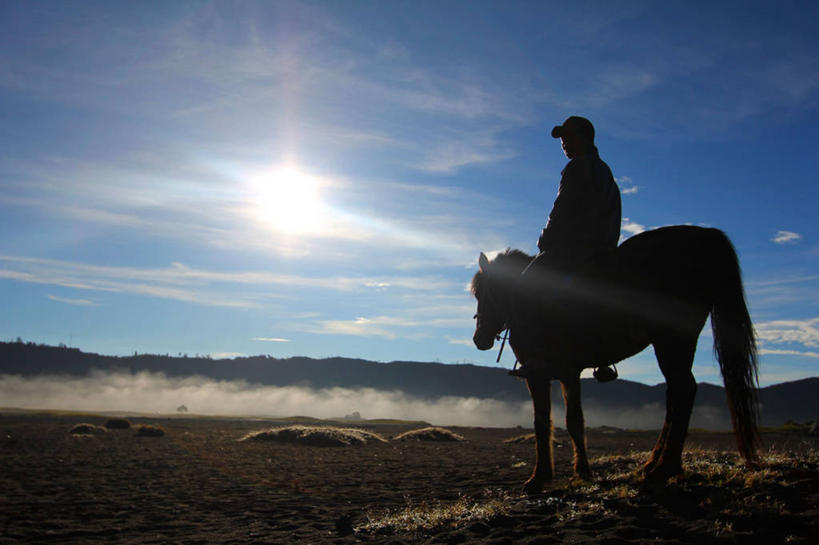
(583, 227)
(584, 224)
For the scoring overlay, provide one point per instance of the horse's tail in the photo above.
(735, 349)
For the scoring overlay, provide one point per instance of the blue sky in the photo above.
(318, 178)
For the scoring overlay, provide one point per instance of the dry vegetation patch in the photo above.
(430, 434)
(718, 500)
(87, 429)
(148, 430)
(429, 515)
(527, 438)
(316, 436)
(717, 490)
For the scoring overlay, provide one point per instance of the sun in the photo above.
(288, 200)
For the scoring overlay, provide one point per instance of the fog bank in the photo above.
(157, 393)
(146, 392)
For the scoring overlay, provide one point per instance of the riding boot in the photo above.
(605, 373)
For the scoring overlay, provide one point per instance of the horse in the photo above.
(658, 289)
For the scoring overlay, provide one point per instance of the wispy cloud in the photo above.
(67, 301)
(786, 237)
(419, 321)
(379, 326)
(802, 353)
(182, 283)
(786, 290)
(468, 148)
(630, 227)
(626, 184)
(805, 332)
(271, 339)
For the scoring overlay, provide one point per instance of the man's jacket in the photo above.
(584, 223)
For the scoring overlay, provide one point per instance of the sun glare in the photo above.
(288, 200)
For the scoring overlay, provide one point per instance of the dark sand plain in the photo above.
(199, 484)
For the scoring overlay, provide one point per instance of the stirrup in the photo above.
(606, 373)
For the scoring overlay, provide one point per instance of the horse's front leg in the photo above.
(540, 390)
(575, 425)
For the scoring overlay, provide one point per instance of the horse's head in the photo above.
(491, 319)
(493, 286)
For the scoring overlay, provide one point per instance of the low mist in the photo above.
(145, 392)
(156, 393)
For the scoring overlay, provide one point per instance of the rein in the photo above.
(503, 343)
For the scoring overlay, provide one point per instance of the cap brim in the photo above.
(557, 132)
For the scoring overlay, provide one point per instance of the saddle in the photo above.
(563, 309)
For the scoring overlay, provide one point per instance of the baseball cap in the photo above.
(576, 124)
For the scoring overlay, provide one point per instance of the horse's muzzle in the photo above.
(483, 342)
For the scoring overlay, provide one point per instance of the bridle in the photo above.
(487, 293)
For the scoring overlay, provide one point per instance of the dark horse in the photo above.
(659, 290)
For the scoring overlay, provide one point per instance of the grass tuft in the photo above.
(148, 430)
(430, 434)
(526, 439)
(429, 515)
(87, 429)
(316, 436)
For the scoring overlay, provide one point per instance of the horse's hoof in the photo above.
(647, 467)
(659, 474)
(533, 486)
(583, 475)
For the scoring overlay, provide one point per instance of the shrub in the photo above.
(430, 434)
(117, 424)
(317, 436)
(148, 430)
(87, 429)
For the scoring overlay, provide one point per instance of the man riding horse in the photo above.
(582, 303)
(581, 233)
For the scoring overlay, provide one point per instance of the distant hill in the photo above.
(798, 400)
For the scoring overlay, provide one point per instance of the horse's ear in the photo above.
(483, 262)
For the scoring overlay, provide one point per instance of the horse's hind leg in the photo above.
(575, 425)
(540, 390)
(676, 359)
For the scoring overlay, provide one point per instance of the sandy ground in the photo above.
(199, 484)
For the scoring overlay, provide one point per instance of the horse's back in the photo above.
(673, 271)
(673, 240)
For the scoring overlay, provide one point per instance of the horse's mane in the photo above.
(507, 265)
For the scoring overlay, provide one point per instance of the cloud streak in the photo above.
(631, 228)
(388, 327)
(67, 301)
(786, 237)
(244, 289)
(805, 332)
(776, 352)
